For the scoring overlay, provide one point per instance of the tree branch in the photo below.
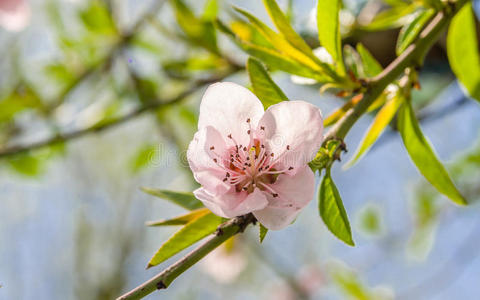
(152, 105)
(411, 57)
(165, 278)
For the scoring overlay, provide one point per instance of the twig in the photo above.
(13, 150)
(165, 278)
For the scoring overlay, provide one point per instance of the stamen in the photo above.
(212, 148)
(288, 147)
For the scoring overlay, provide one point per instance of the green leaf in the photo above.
(273, 59)
(282, 24)
(463, 52)
(200, 32)
(332, 211)
(423, 156)
(97, 18)
(185, 237)
(328, 24)
(210, 11)
(392, 18)
(144, 156)
(410, 31)
(263, 86)
(185, 200)
(283, 45)
(262, 232)
(383, 118)
(370, 65)
(181, 220)
(27, 164)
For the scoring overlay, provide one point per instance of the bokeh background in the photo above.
(72, 215)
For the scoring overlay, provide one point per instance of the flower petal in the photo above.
(14, 14)
(294, 193)
(232, 204)
(293, 125)
(205, 170)
(227, 106)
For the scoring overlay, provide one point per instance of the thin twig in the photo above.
(165, 278)
(149, 106)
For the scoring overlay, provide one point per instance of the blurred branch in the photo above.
(148, 106)
(165, 278)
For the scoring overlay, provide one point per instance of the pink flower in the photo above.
(248, 160)
(14, 14)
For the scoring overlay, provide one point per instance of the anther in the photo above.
(230, 136)
(212, 148)
(275, 195)
(262, 128)
(244, 148)
(272, 154)
(288, 147)
(215, 160)
(263, 146)
(291, 168)
(225, 179)
(228, 174)
(248, 131)
(248, 120)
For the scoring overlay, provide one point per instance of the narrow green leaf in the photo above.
(144, 156)
(392, 18)
(185, 200)
(283, 25)
(273, 59)
(210, 11)
(185, 237)
(423, 156)
(328, 24)
(383, 118)
(410, 31)
(370, 65)
(332, 211)
(282, 45)
(181, 220)
(262, 232)
(463, 52)
(263, 86)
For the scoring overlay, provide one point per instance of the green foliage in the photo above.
(96, 18)
(370, 65)
(394, 17)
(381, 121)
(21, 99)
(328, 24)
(144, 157)
(26, 164)
(463, 52)
(185, 200)
(410, 31)
(191, 233)
(332, 211)
(262, 232)
(181, 220)
(263, 86)
(326, 155)
(422, 154)
(200, 31)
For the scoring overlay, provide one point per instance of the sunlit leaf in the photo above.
(181, 220)
(262, 232)
(370, 65)
(21, 99)
(381, 121)
(411, 31)
(332, 211)
(185, 200)
(210, 11)
(273, 59)
(185, 237)
(463, 52)
(263, 86)
(422, 154)
(392, 18)
(26, 164)
(328, 24)
(286, 30)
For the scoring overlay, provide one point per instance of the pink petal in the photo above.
(201, 160)
(14, 14)
(294, 125)
(232, 204)
(294, 193)
(227, 106)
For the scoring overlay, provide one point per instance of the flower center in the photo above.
(250, 166)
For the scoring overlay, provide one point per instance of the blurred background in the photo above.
(100, 98)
